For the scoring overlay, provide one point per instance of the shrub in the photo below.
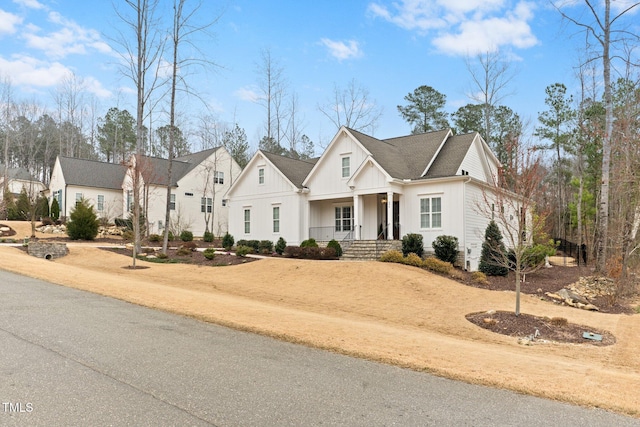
(281, 244)
(309, 243)
(336, 246)
(207, 237)
(162, 255)
(120, 222)
(83, 223)
(186, 236)
(412, 243)
(413, 259)
(47, 221)
(209, 253)
(492, 257)
(479, 277)
(392, 256)
(227, 241)
(127, 235)
(171, 237)
(312, 252)
(192, 246)
(55, 209)
(446, 248)
(253, 244)
(438, 266)
(265, 246)
(559, 321)
(155, 238)
(243, 250)
(182, 251)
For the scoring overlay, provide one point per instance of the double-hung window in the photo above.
(261, 176)
(218, 177)
(129, 200)
(344, 218)
(78, 198)
(430, 212)
(206, 204)
(172, 202)
(100, 202)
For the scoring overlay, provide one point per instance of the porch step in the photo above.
(367, 250)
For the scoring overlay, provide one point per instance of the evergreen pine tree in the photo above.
(83, 222)
(493, 256)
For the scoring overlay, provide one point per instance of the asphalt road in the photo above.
(72, 358)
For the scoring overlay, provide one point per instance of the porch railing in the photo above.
(347, 241)
(322, 233)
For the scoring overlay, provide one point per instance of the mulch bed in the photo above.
(533, 329)
(194, 258)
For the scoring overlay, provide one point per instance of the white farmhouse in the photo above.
(198, 184)
(367, 189)
(19, 179)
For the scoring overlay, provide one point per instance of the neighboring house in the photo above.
(98, 182)
(363, 188)
(198, 184)
(19, 179)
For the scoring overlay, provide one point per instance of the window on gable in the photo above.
(261, 176)
(206, 204)
(218, 177)
(346, 167)
(100, 202)
(344, 218)
(276, 219)
(431, 212)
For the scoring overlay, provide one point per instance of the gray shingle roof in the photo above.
(155, 169)
(295, 170)
(407, 157)
(17, 173)
(91, 173)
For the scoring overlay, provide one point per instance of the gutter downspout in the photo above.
(464, 223)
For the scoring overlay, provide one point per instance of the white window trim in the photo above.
(430, 197)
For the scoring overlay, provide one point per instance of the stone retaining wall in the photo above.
(47, 250)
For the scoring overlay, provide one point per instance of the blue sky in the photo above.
(388, 47)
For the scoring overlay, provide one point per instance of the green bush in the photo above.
(309, 252)
(281, 244)
(227, 241)
(209, 253)
(412, 243)
(243, 250)
(392, 256)
(155, 238)
(127, 235)
(162, 255)
(446, 248)
(83, 223)
(171, 237)
(265, 247)
(493, 255)
(413, 259)
(182, 251)
(309, 243)
(437, 265)
(336, 246)
(207, 237)
(186, 236)
(253, 244)
(55, 210)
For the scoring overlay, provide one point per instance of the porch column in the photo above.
(356, 217)
(390, 215)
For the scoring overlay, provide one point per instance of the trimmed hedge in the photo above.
(412, 243)
(437, 265)
(392, 256)
(336, 246)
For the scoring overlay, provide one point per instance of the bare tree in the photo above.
(140, 60)
(491, 76)
(181, 32)
(7, 106)
(600, 26)
(273, 87)
(352, 107)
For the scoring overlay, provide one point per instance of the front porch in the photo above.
(360, 217)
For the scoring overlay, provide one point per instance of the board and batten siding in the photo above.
(476, 222)
(452, 210)
(326, 180)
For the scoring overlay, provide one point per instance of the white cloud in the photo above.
(29, 71)
(464, 27)
(247, 93)
(8, 22)
(71, 38)
(31, 4)
(341, 50)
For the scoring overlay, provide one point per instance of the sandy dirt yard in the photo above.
(385, 312)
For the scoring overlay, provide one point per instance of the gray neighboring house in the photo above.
(98, 182)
